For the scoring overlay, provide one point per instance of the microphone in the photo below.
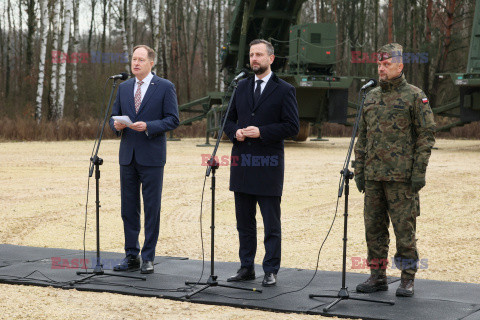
(242, 74)
(121, 76)
(370, 83)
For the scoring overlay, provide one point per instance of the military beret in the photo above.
(390, 50)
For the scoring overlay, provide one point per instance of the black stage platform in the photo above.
(432, 300)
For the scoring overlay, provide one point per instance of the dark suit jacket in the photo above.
(158, 109)
(257, 165)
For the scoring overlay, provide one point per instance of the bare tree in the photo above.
(390, 21)
(31, 23)
(92, 21)
(55, 58)
(157, 27)
(58, 112)
(103, 43)
(220, 32)
(7, 77)
(75, 41)
(41, 62)
(129, 27)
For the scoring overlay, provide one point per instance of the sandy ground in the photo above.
(43, 188)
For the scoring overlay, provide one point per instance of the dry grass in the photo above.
(27, 129)
(42, 195)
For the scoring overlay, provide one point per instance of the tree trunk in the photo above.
(75, 41)
(90, 31)
(195, 33)
(428, 40)
(167, 40)
(375, 24)
(104, 32)
(55, 64)
(390, 21)
(20, 37)
(7, 77)
(2, 55)
(123, 17)
(322, 11)
(220, 31)
(42, 58)
(129, 30)
(31, 23)
(16, 58)
(156, 34)
(351, 30)
(63, 66)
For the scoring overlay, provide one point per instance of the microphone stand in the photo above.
(347, 175)
(213, 165)
(96, 162)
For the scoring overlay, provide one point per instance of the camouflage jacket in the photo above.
(396, 133)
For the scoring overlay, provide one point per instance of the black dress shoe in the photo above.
(243, 274)
(147, 267)
(128, 263)
(270, 279)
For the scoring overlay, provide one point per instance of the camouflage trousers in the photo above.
(396, 202)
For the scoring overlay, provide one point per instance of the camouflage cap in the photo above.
(390, 50)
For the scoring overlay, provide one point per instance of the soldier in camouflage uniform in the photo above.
(396, 135)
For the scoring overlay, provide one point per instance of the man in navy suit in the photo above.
(263, 113)
(151, 103)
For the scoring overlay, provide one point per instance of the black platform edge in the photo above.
(471, 308)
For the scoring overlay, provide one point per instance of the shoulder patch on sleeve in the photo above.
(425, 100)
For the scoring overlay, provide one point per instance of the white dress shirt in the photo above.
(145, 85)
(264, 83)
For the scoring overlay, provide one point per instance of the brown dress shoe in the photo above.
(373, 283)
(405, 289)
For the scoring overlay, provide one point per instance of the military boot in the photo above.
(405, 289)
(376, 282)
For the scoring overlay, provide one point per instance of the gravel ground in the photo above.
(43, 187)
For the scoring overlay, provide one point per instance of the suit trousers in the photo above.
(150, 178)
(245, 209)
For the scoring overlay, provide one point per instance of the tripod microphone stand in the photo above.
(96, 162)
(213, 166)
(347, 175)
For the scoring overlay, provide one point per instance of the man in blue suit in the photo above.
(151, 103)
(263, 113)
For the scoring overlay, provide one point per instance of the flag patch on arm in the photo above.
(425, 100)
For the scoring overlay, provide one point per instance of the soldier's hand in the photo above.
(417, 184)
(360, 182)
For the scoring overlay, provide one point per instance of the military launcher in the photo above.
(305, 56)
(466, 108)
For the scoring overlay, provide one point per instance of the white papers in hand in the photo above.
(123, 119)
